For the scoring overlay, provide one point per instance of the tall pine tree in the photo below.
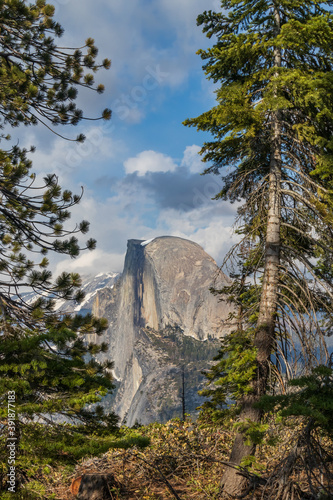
(39, 84)
(272, 126)
(46, 363)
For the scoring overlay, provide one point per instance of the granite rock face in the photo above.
(164, 324)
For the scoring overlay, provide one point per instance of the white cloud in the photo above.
(149, 161)
(74, 163)
(112, 222)
(136, 35)
(129, 216)
(154, 161)
(192, 159)
(126, 215)
(92, 263)
(152, 46)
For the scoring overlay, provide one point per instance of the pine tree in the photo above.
(39, 84)
(272, 126)
(47, 364)
(40, 80)
(50, 389)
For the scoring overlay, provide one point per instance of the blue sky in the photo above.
(141, 170)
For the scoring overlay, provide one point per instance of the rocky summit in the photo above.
(164, 326)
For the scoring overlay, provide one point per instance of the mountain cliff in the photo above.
(164, 326)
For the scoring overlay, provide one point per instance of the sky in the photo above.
(141, 170)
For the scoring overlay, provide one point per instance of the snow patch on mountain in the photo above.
(90, 285)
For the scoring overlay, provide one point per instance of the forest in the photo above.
(265, 429)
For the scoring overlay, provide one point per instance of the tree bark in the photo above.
(96, 487)
(233, 483)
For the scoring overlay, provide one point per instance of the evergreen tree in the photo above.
(39, 80)
(272, 126)
(46, 361)
(50, 387)
(39, 84)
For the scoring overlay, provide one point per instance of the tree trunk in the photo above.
(96, 486)
(232, 482)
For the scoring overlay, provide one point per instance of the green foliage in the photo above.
(44, 448)
(39, 80)
(254, 432)
(272, 63)
(229, 379)
(48, 374)
(49, 371)
(39, 84)
(129, 441)
(310, 397)
(30, 225)
(49, 377)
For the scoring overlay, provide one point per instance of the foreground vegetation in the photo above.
(271, 143)
(185, 460)
(272, 128)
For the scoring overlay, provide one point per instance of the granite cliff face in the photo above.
(162, 317)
